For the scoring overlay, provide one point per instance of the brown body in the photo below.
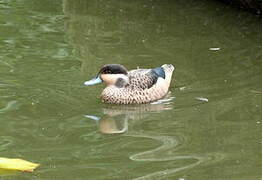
(139, 88)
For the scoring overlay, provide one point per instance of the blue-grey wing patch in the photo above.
(155, 74)
(159, 72)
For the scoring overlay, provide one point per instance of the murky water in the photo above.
(209, 127)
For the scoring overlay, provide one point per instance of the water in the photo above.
(208, 128)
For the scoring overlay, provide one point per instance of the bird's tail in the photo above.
(168, 68)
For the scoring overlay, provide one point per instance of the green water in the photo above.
(49, 48)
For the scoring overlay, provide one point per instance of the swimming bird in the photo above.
(135, 86)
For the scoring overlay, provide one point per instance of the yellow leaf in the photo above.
(17, 164)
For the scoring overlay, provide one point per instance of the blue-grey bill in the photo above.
(94, 81)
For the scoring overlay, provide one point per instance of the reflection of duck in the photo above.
(115, 119)
(135, 86)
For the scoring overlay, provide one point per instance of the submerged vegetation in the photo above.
(254, 6)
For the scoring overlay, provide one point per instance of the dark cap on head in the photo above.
(113, 69)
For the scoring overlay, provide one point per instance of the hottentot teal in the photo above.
(134, 86)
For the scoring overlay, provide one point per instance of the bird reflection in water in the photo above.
(116, 117)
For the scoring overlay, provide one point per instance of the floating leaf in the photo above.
(17, 164)
(182, 88)
(202, 99)
(214, 49)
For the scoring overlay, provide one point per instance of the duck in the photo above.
(138, 86)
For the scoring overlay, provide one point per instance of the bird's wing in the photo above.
(145, 78)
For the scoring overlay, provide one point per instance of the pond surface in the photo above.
(209, 126)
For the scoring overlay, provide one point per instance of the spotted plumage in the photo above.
(135, 86)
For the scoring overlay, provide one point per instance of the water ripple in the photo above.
(5, 141)
(11, 105)
(169, 143)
